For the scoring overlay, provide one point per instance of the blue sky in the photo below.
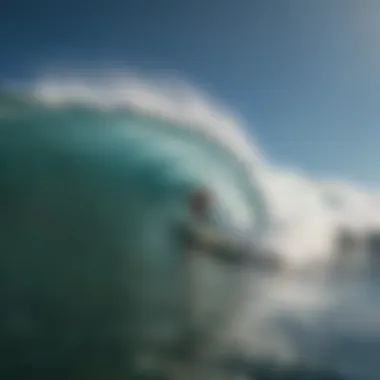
(304, 73)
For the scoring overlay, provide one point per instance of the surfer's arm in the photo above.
(227, 251)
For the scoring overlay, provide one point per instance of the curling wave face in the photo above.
(93, 196)
(299, 215)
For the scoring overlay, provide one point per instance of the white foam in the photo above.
(303, 219)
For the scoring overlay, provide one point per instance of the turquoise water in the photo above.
(90, 201)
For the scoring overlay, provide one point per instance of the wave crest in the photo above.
(303, 215)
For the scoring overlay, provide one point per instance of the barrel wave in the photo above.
(93, 267)
(109, 196)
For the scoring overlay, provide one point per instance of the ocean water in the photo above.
(95, 177)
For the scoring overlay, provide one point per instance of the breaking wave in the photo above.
(287, 316)
(301, 215)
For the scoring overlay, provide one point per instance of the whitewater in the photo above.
(300, 214)
(302, 315)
